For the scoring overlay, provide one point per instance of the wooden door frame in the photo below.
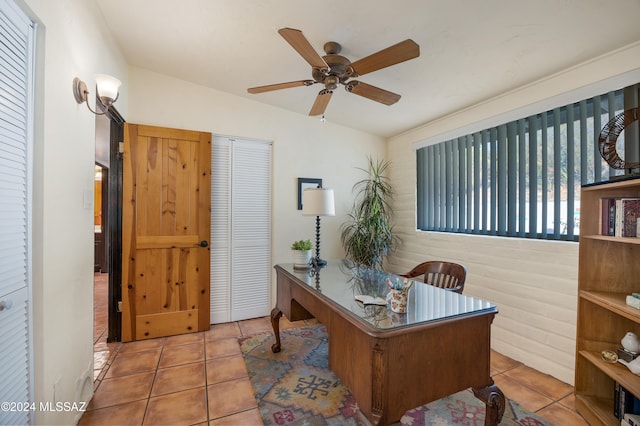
(114, 221)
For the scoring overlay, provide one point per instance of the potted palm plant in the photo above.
(301, 253)
(367, 237)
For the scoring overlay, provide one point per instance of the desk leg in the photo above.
(275, 323)
(494, 400)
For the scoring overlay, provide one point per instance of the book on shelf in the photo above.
(624, 402)
(619, 216)
(632, 301)
(608, 222)
(632, 419)
(627, 214)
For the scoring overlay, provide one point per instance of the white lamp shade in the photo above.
(107, 86)
(318, 202)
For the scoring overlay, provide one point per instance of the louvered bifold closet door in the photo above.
(220, 230)
(251, 230)
(16, 85)
(240, 229)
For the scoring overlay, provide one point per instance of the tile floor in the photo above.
(201, 378)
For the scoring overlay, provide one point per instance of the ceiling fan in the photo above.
(334, 69)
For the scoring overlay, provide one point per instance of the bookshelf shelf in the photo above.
(617, 371)
(621, 240)
(608, 271)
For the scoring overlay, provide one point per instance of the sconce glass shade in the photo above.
(107, 87)
(318, 202)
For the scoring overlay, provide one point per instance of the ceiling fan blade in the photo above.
(271, 87)
(372, 92)
(321, 102)
(298, 41)
(392, 55)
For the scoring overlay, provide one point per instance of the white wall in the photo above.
(533, 283)
(72, 42)
(302, 147)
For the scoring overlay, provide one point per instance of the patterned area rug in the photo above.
(296, 387)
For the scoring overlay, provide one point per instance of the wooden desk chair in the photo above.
(446, 275)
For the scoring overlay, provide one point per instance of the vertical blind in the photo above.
(522, 178)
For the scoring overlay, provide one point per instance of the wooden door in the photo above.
(166, 228)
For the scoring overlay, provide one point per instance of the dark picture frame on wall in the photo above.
(304, 183)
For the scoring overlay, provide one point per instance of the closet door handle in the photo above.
(204, 243)
(5, 304)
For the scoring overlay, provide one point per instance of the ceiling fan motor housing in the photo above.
(339, 67)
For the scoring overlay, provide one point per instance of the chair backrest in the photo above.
(447, 275)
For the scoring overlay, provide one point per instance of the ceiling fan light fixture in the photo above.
(331, 82)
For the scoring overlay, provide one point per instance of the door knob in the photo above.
(204, 243)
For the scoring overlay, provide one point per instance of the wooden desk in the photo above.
(392, 362)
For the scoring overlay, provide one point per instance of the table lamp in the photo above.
(318, 202)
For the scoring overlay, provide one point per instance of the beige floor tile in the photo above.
(223, 348)
(182, 377)
(501, 363)
(523, 395)
(249, 417)
(540, 382)
(184, 339)
(569, 401)
(100, 359)
(558, 414)
(102, 345)
(130, 413)
(183, 354)
(231, 397)
(222, 331)
(142, 345)
(178, 408)
(131, 363)
(255, 326)
(224, 369)
(122, 389)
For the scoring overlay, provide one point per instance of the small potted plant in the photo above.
(301, 253)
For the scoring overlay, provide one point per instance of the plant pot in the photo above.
(301, 258)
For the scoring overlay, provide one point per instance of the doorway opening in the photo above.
(107, 233)
(101, 254)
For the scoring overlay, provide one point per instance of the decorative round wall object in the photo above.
(609, 136)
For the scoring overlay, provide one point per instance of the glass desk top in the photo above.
(340, 281)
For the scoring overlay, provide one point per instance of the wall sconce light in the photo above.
(107, 88)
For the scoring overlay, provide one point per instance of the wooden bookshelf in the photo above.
(609, 270)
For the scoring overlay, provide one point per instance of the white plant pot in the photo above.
(301, 258)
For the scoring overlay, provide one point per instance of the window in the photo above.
(522, 178)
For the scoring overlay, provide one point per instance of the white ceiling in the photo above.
(470, 50)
